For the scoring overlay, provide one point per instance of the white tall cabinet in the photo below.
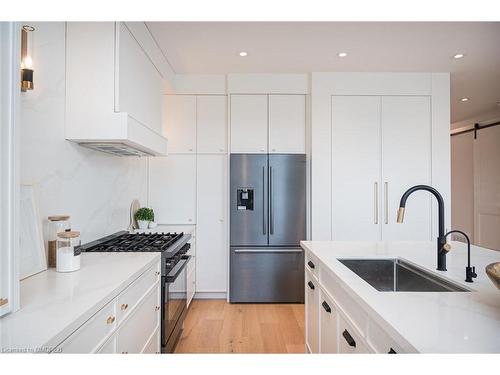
(189, 186)
(373, 136)
(381, 146)
(211, 261)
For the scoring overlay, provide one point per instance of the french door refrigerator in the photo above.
(268, 220)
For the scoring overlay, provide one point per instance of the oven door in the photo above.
(175, 304)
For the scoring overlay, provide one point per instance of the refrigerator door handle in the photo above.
(258, 251)
(271, 214)
(264, 224)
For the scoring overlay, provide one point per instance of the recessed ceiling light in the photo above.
(464, 99)
(458, 56)
(243, 53)
(342, 54)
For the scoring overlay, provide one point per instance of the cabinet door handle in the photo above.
(110, 320)
(392, 351)
(311, 264)
(264, 224)
(348, 338)
(157, 308)
(271, 209)
(375, 206)
(386, 197)
(124, 306)
(326, 306)
(311, 285)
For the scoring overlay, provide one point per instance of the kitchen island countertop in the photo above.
(429, 322)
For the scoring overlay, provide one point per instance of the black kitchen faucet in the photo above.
(441, 240)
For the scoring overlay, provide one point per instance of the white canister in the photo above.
(68, 251)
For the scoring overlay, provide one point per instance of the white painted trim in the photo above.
(267, 83)
(199, 84)
(9, 152)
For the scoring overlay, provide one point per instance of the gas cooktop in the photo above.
(137, 242)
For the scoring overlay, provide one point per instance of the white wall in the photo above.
(94, 188)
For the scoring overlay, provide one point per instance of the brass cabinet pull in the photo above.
(110, 320)
(124, 306)
(4, 301)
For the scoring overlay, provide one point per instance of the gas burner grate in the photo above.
(139, 242)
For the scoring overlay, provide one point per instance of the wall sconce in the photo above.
(26, 59)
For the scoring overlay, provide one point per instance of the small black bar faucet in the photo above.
(441, 240)
(470, 272)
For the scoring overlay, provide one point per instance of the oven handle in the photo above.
(170, 278)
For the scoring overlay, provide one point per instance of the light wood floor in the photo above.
(215, 326)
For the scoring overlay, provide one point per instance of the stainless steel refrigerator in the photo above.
(268, 220)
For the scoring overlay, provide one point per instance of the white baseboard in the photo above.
(210, 295)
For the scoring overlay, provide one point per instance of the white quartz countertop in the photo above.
(431, 322)
(54, 305)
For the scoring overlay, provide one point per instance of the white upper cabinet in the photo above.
(406, 161)
(287, 124)
(249, 119)
(172, 191)
(211, 133)
(113, 88)
(179, 124)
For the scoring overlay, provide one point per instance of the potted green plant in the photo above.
(144, 216)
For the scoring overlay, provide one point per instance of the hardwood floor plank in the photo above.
(215, 326)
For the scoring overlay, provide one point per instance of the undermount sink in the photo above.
(397, 275)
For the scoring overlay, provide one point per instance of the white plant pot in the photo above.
(143, 224)
(152, 225)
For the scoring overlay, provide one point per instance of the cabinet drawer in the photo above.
(312, 317)
(133, 294)
(380, 340)
(109, 347)
(135, 332)
(328, 324)
(350, 340)
(92, 334)
(153, 346)
(312, 264)
(344, 300)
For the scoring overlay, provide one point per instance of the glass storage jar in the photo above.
(68, 251)
(57, 224)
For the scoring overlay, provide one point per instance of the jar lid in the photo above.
(59, 218)
(70, 234)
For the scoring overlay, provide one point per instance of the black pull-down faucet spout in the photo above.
(441, 240)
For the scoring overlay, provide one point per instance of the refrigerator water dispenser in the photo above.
(245, 199)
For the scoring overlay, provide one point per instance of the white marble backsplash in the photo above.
(94, 188)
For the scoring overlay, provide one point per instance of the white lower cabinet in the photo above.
(350, 341)
(328, 331)
(335, 322)
(312, 317)
(134, 334)
(119, 329)
(191, 286)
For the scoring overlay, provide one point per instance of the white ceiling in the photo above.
(301, 47)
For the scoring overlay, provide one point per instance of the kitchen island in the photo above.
(95, 309)
(345, 314)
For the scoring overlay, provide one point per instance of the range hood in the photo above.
(114, 88)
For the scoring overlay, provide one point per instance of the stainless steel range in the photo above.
(173, 248)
